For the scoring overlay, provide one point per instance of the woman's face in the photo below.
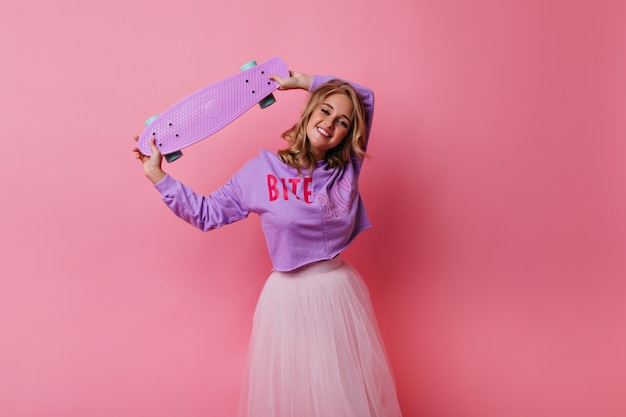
(328, 124)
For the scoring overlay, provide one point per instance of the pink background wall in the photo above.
(496, 187)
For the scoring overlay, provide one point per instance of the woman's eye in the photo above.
(326, 112)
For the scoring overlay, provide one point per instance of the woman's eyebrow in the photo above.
(341, 115)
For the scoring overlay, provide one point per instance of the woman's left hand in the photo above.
(296, 80)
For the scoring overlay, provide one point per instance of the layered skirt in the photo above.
(315, 349)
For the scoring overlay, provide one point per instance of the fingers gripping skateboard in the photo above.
(170, 157)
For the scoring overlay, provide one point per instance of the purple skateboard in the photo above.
(210, 109)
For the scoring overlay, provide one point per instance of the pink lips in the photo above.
(323, 132)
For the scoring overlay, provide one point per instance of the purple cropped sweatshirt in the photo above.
(305, 218)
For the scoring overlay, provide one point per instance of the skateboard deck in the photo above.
(208, 110)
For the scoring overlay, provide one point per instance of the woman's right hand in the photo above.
(151, 164)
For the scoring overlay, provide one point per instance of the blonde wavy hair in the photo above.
(298, 155)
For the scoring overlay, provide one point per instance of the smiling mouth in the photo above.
(323, 132)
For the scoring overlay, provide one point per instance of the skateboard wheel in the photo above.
(171, 157)
(267, 101)
(248, 65)
(150, 120)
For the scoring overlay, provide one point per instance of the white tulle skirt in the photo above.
(315, 349)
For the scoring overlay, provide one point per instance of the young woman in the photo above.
(315, 349)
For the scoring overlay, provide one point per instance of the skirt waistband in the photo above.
(315, 268)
